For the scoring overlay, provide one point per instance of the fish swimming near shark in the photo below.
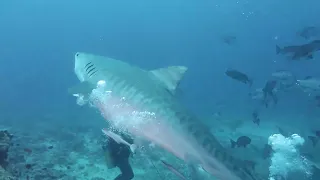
(298, 52)
(309, 32)
(309, 84)
(143, 103)
(259, 95)
(268, 91)
(239, 76)
(286, 79)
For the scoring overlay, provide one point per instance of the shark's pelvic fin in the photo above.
(170, 76)
(83, 88)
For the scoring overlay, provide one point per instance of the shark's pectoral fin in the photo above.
(83, 88)
(170, 76)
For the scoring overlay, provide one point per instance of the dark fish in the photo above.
(268, 91)
(173, 170)
(256, 119)
(27, 150)
(283, 132)
(242, 141)
(267, 151)
(300, 51)
(308, 77)
(250, 164)
(229, 39)
(314, 140)
(28, 166)
(318, 133)
(239, 76)
(309, 32)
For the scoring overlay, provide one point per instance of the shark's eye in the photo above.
(77, 54)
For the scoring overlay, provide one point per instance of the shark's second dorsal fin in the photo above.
(170, 76)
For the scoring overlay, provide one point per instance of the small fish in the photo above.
(28, 166)
(297, 52)
(250, 163)
(229, 39)
(309, 32)
(173, 170)
(283, 132)
(239, 76)
(27, 150)
(314, 140)
(242, 141)
(318, 133)
(256, 119)
(119, 139)
(268, 91)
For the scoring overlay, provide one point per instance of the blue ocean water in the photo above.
(38, 40)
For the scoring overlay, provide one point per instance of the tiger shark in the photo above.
(146, 102)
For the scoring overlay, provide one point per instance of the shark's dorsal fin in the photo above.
(170, 76)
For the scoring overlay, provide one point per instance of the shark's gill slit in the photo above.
(87, 64)
(88, 68)
(133, 93)
(92, 73)
(91, 70)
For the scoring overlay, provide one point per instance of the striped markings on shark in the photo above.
(181, 133)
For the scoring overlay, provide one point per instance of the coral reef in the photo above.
(5, 142)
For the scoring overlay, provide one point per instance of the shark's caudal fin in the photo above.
(170, 76)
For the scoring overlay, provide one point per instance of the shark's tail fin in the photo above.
(278, 49)
(314, 140)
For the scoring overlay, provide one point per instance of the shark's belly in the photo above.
(166, 127)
